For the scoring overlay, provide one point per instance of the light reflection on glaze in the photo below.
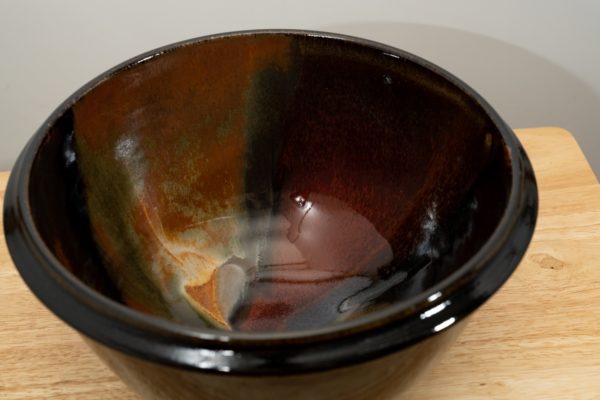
(444, 325)
(434, 310)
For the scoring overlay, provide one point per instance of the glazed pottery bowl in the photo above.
(270, 214)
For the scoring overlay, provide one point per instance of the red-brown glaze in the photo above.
(363, 134)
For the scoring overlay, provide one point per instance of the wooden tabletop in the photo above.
(537, 338)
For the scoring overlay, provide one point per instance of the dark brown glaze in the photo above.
(372, 162)
(59, 199)
(178, 154)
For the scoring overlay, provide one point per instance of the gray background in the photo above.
(537, 62)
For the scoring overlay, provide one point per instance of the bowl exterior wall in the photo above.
(380, 379)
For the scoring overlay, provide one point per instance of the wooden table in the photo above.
(537, 338)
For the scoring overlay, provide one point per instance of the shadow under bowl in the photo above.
(402, 195)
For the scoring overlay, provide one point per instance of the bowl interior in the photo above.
(269, 182)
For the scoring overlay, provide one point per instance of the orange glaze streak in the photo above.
(211, 168)
(205, 299)
(186, 111)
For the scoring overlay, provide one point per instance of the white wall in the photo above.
(536, 61)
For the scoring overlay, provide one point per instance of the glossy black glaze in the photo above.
(379, 379)
(80, 292)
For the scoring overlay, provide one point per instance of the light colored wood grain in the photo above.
(537, 338)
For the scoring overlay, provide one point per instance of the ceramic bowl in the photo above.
(157, 208)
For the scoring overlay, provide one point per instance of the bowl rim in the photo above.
(17, 208)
